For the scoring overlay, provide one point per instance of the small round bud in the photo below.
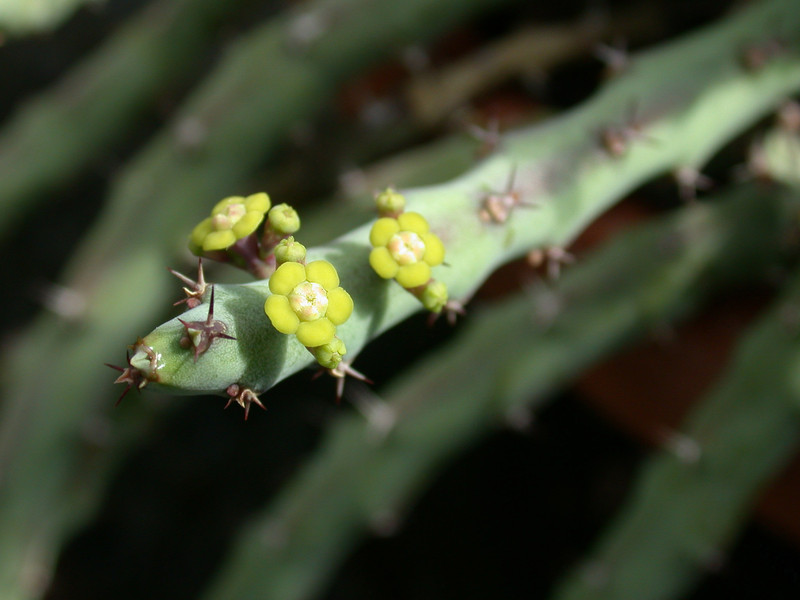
(330, 355)
(284, 219)
(434, 296)
(390, 203)
(288, 250)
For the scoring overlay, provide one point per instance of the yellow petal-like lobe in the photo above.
(247, 224)
(225, 203)
(382, 230)
(258, 202)
(281, 314)
(219, 240)
(315, 333)
(434, 249)
(380, 259)
(411, 221)
(340, 306)
(323, 273)
(410, 276)
(199, 233)
(286, 278)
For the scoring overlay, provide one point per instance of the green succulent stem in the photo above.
(366, 471)
(691, 96)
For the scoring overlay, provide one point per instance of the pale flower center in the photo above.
(229, 216)
(406, 247)
(309, 301)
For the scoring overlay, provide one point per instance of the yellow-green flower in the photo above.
(405, 249)
(307, 301)
(231, 219)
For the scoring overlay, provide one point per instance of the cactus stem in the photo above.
(200, 334)
(244, 397)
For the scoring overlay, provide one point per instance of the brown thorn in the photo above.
(451, 310)
(340, 373)
(127, 389)
(210, 316)
(181, 276)
(244, 398)
(195, 290)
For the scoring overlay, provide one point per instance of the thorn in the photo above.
(415, 58)
(200, 334)
(615, 57)
(195, 290)
(686, 449)
(496, 207)
(553, 257)
(131, 377)
(452, 309)
(690, 180)
(385, 523)
(190, 133)
(244, 397)
(546, 302)
(789, 116)
(616, 139)
(488, 136)
(520, 418)
(381, 417)
(340, 372)
(755, 56)
(210, 317)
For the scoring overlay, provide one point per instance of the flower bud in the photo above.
(434, 296)
(330, 355)
(284, 219)
(288, 250)
(390, 203)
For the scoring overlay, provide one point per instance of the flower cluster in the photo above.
(308, 301)
(231, 233)
(405, 249)
(231, 220)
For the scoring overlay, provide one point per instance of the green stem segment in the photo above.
(363, 476)
(691, 97)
